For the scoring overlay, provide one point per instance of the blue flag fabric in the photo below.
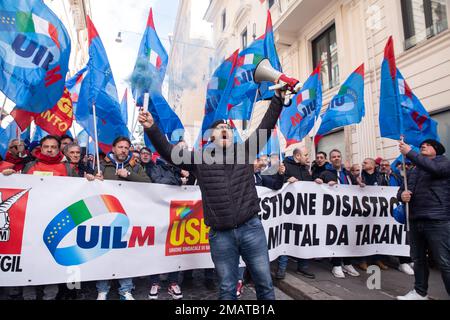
(401, 112)
(38, 134)
(166, 118)
(152, 59)
(6, 135)
(246, 91)
(98, 88)
(347, 107)
(217, 95)
(124, 107)
(86, 141)
(148, 77)
(35, 55)
(273, 145)
(297, 120)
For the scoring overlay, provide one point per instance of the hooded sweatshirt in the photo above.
(135, 174)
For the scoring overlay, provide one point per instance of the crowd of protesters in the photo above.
(428, 195)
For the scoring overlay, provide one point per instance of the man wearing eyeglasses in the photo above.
(225, 175)
(17, 155)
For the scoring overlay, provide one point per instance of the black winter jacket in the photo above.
(274, 182)
(228, 190)
(429, 183)
(296, 170)
(163, 173)
(317, 171)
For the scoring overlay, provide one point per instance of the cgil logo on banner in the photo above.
(187, 232)
(13, 205)
(93, 239)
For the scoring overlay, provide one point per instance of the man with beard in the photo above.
(225, 174)
(119, 168)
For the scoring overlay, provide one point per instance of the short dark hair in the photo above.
(335, 150)
(322, 153)
(50, 137)
(65, 136)
(120, 139)
(297, 151)
(146, 149)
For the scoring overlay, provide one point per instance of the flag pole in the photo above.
(405, 180)
(97, 153)
(3, 108)
(74, 132)
(313, 144)
(134, 121)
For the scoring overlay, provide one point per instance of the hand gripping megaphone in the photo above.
(265, 72)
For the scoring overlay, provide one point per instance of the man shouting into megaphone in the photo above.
(225, 175)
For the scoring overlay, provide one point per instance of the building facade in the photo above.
(73, 14)
(190, 65)
(343, 34)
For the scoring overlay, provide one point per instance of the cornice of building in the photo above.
(212, 10)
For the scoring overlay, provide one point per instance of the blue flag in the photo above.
(401, 112)
(35, 50)
(39, 134)
(152, 60)
(124, 107)
(347, 107)
(86, 141)
(148, 77)
(246, 91)
(297, 120)
(98, 88)
(6, 135)
(217, 95)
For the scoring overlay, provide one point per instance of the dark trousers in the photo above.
(434, 235)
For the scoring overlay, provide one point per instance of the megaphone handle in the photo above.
(277, 86)
(287, 101)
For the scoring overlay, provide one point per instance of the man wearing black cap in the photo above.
(225, 175)
(429, 203)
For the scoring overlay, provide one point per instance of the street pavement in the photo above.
(195, 290)
(326, 287)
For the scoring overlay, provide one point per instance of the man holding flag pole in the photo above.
(426, 188)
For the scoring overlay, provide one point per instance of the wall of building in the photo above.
(362, 29)
(189, 66)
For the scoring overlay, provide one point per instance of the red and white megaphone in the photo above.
(265, 72)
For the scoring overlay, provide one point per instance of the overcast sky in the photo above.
(130, 17)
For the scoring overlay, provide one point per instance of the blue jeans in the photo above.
(302, 264)
(209, 274)
(434, 235)
(172, 278)
(249, 241)
(126, 285)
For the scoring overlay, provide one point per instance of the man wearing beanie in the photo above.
(230, 200)
(428, 196)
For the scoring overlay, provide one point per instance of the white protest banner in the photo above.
(53, 227)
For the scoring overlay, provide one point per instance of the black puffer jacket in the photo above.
(429, 183)
(228, 190)
(296, 170)
(163, 173)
